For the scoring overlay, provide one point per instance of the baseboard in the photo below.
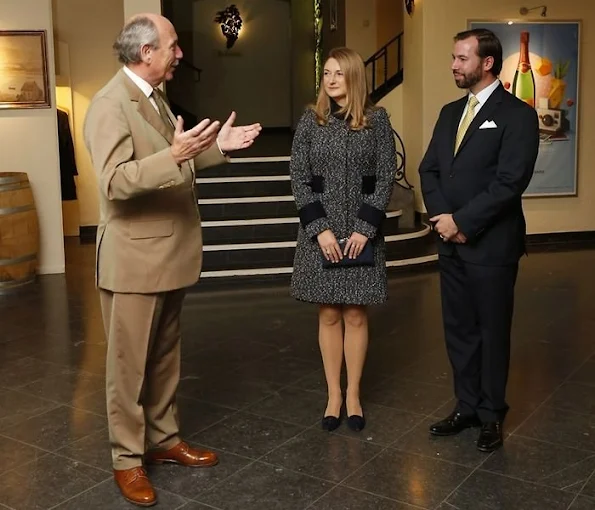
(88, 233)
(561, 240)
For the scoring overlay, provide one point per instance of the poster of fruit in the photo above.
(541, 67)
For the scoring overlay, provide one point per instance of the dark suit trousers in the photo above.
(477, 308)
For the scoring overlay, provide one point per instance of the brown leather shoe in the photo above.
(135, 486)
(182, 454)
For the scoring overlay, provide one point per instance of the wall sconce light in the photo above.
(524, 10)
(409, 4)
(231, 24)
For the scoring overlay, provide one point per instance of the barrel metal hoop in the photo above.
(8, 286)
(18, 260)
(16, 210)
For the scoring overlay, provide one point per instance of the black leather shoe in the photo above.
(453, 424)
(490, 437)
(330, 423)
(356, 423)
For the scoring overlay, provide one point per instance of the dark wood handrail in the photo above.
(382, 55)
(383, 49)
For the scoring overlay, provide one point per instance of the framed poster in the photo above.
(541, 66)
(24, 80)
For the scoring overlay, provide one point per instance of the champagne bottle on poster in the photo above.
(523, 85)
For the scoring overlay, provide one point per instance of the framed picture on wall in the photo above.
(541, 67)
(24, 80)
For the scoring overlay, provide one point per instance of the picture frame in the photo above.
(553, 47)
(24, 77)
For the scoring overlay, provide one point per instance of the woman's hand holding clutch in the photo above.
(329, 246)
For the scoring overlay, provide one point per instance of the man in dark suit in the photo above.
(478, 164)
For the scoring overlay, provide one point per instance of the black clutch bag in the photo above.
(365, 258)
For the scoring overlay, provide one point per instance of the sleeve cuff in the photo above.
(311, 212)
(371, 215)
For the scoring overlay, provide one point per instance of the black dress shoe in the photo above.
(330, 423)
(356, 423)
(490, 437)
(454, 424)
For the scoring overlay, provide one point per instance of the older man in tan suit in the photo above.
(149, 246)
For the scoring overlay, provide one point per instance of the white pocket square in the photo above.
(488, 124)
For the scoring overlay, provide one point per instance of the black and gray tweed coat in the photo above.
(341, 180)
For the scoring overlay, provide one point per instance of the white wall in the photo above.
(132, 7)
(29, 138)
(88, 28)
(360, 27)
(253, 78)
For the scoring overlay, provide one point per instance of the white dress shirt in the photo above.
(146, 88)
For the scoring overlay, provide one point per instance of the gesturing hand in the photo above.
(329, 246)
(189, 144)
(233, 138)
(355, 245)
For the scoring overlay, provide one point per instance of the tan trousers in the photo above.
(142, 373)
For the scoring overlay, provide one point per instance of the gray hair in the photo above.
(138, 32)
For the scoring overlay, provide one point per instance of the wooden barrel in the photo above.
(19, 232)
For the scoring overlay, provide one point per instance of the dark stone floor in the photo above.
(253, 390)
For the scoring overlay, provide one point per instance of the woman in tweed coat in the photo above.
(343, 165)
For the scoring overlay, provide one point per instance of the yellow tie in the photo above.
(162, 109)
(466, 122)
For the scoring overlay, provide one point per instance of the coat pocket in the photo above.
(151, 229)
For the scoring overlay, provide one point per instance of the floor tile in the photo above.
(16, 407)
(384, 425)
(409, 478)
(415, 397)
(15, 454)
(247, 435)
(56, 428)
(322, 455)
(545, 463)
(192, 483)
(483, 491)
(107, 496)
(262, 486)
(292, 405)
(460, 449)
(561, 427)
(343, 498)
(46, 482)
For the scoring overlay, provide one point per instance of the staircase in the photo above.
(250, 223)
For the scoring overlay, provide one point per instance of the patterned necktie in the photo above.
(466, 122)
(162, 110)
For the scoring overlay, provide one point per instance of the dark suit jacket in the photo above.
(482, 185)
(67, 160)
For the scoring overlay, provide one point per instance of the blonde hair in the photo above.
(358, 101)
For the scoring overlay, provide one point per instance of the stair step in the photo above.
(270, 229)
(249, 208)
(240, 187)
(245, 167)
(236, 256)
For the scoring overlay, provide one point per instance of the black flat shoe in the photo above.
(330, 423)
(490, 437)
(453, 424)
(356, 423)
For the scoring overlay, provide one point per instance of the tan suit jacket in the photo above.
(149, 236)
